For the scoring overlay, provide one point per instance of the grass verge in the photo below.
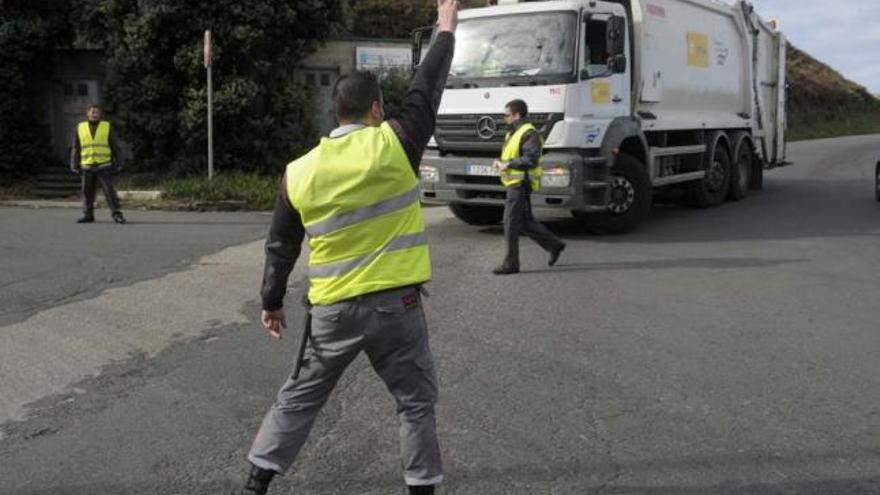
(237, 190)
(868, 123)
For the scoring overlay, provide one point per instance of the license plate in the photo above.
(473, 169)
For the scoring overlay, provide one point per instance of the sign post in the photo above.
(209, 55)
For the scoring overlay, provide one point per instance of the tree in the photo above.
(29, 30)
(394, 83)
(156, 81)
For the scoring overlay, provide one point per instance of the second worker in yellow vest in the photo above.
(95, 154)
(520, 170)
(356, 197)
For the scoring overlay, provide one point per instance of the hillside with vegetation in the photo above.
(823, 103)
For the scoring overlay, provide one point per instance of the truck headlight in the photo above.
(555, 177)
(428, 173)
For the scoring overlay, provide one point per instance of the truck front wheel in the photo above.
(629, 199)
(477, 214)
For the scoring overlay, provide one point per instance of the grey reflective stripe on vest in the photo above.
(339, 221)
(342, 267)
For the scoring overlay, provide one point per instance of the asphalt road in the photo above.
(48, 259)
(725, 351)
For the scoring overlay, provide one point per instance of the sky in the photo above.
(844, 34)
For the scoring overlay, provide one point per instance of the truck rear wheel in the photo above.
(741, 168)
(713, 188)
(630, 199)
(477, 214)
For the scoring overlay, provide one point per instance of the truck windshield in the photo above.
(515, 45)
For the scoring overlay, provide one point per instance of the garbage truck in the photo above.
(635, 100)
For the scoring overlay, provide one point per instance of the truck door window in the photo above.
(596, 47)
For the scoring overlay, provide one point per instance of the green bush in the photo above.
(394, 82)
(256, 191)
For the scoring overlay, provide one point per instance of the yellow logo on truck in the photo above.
(698, 50)
(600, 92)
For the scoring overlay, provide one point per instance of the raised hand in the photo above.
(447, 15)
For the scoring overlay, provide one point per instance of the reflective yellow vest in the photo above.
(512, 143)
(94, 151)
(359, 202)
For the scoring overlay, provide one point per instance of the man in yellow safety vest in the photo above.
(95, 154)
(520, 172)
(356, 197)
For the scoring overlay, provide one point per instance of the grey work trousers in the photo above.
(518, 219)
(89, 179)
(390, 327)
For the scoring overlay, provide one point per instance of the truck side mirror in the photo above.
(421, 38)
(616, 36)
(617, 64)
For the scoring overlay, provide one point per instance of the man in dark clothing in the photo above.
(356, 196)
(521, 173)
(95, 154)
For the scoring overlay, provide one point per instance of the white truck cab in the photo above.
(633, 97)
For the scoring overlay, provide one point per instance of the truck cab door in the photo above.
(604, 66)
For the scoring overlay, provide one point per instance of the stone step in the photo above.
(55, 186)
(52, 193)
(58, 182)
(58, 175)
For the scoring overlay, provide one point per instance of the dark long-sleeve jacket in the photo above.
(118, 156)
(529, 150)
(414, 127)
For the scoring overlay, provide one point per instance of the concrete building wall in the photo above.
(321, 69)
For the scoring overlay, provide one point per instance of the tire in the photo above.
(741, 168)
(477, 214)
(713, 189)
(630, 199)
(877, 182)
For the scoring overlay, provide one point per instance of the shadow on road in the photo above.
(670, 264)
(785, 209)
(194, 223)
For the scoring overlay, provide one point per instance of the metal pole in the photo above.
(208, 53)
(210, 126)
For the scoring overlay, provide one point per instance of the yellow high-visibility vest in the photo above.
(358, 198)
(94, 151)
(512, 143)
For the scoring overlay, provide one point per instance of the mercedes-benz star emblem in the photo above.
(486, 128)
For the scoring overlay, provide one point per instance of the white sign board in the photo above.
(369, 57)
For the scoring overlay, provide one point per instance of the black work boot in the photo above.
(257, 482)
(421, 490)
(118, 217)
(505, 270)
(86, 218)
(554, 254)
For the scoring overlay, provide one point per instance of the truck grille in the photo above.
(460, 132)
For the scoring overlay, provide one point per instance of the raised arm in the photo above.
(415, 124)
